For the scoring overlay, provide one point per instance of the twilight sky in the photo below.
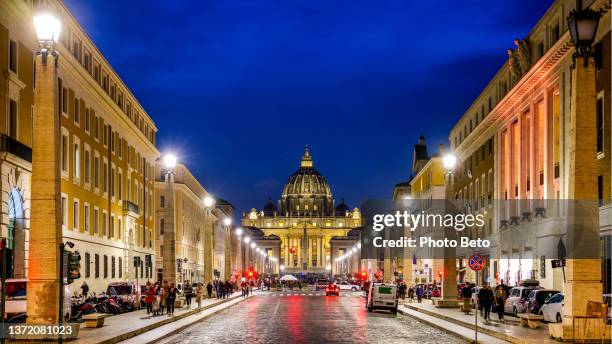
(238, 88)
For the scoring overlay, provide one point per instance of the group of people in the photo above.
(223, 290)
(160, 297)
(487, 298)
(403, 289)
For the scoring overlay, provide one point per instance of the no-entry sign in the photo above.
(477, 262)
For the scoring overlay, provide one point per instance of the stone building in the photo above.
(107, 152)
(305, 219)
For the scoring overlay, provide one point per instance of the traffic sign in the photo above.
(477, 262)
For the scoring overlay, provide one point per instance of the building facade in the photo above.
(305, 220)
(191, 219)
(516, 139)
(107, 152)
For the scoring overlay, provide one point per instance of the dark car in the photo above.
(332, 289)
(537, 298)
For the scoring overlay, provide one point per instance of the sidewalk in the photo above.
(496, 332)
(124, 326)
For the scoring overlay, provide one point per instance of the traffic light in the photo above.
(74, 266)
(6, 259)
(250, 274)
(364, 275)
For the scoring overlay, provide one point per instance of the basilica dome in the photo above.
(306, 191)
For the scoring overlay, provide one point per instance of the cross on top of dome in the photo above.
(306, 159)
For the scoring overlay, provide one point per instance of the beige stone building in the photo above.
(107, 152)
(192, 223)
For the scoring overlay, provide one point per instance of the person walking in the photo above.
(164, 297)
(485, 298)
(149, 295)
(419, 293)
(188, 294)
(84, 289)
(500, 301)
(466, 296)
(199, 294)
(172, 292)
(411, 294)
(209, 289)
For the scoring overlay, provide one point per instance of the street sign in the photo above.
(477, 262)
(558, 263)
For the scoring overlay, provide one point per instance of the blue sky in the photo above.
(238, 88)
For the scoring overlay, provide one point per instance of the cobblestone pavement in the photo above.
(307, 318)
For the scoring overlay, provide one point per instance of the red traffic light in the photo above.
(250, 273)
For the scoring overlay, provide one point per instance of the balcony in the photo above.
(10, 145)
(130, 208)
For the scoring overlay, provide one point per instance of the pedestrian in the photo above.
(411, 294)
(164, 297)
(149, 295)
(188, 294)
(172, 292)
(500, 300)
(209, 289)
(419, 293)
(84, 289)
(485, 298)
(156, 305)
(466, 296)
(199, 294)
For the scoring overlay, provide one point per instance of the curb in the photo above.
(133, 333)
(481, 329)
(469, 339)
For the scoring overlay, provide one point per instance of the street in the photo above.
(308, 317)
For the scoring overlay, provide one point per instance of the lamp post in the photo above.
(169, 249)
(209, 203)
(46, 215)
(448, 275)
(239, 265)
(583, 269)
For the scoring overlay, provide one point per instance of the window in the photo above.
(64, 210)
(104, 215)
(120, 267)
(96, 219)
(119, 186)
(65, 153)
(76, 111)
(12, 119)
(112, 183)
(13, 56)
(64, 100)
(97, 265)
(161, 226)
(162, 201)
(105, 266)
(75, 214)
(96, 127)
(111, 232)
(113, 267)
(77, 161)
(119, 147)
(599, 124)
(96, 170)
(87, 265)
(86, 120)
(86, 166)
(104, 177)
(119, 228)
(86, 217)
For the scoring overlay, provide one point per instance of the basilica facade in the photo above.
(307, 220)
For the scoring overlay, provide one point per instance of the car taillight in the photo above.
(327, 289)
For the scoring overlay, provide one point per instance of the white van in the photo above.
(382, 296)
(16, 300)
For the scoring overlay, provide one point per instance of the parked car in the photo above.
(347, 286)
(332, 289)
(128, 293)
(537, 298)
(15, 308)
(607, 299)
(552, 310)
(517, 299)
(382, 296)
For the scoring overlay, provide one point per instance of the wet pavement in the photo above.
(308, 317)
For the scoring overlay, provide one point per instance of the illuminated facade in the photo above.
(516, 141)
(305, 219)
(107, 152)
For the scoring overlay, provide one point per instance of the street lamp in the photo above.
(582, 25)
(227, 221)
(449, 161)
(45, 238)
(253, 245)
(208, 202)
(170, 161)
(247, 240)
(239, 231)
